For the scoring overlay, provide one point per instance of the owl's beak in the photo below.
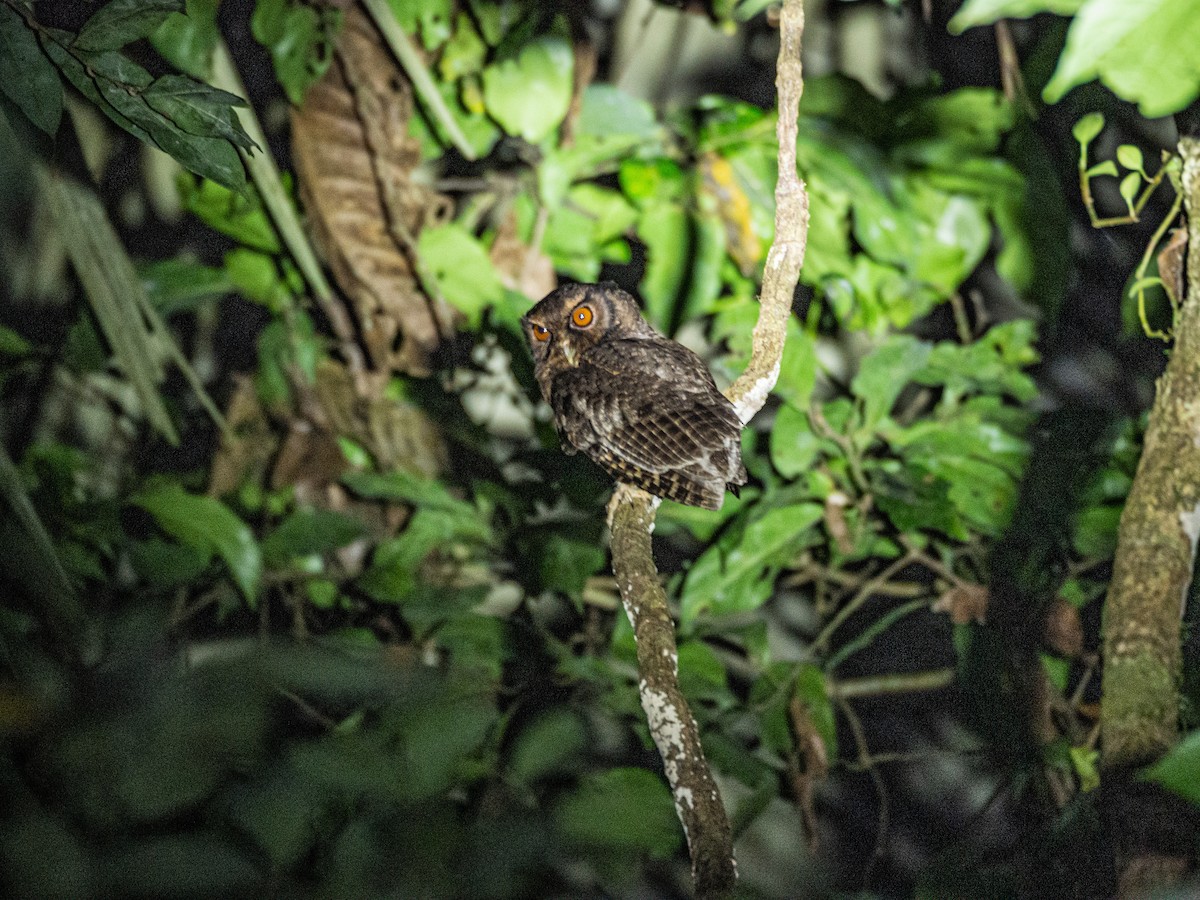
(569, 352)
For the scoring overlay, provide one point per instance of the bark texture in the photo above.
(1156, 544)
(631, 512)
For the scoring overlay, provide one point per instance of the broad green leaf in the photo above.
(738, 575)
(165, 565)
(884, 372)
(187, 41)
(123, 21)
(308, 531)
(608, 112)
(1143, 52)
(984, 12)
(27, 77)
(663, 228)
(461, 268)
(209, 526)
(1179, 770)
(529, 94)
(793, 445)
(621, 809)
(465, 53)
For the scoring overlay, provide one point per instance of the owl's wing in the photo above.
(649, 413)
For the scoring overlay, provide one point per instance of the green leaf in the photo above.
(1129, 187)
(164, 565)
(178, 285)
(1130, 157)
(465, 53)
(1179, 770)
(621, 809)
(547, 747)
(812, 691)
(239, 215)
(1088, 127)
(429, 17)
(300, 37)
(529, 95)
(187, 41)
(984, 12)
(198, 108)
(1106, 167)
(884, 372)
(308, 531)
(567, 564)
(12, 344)
(1143, 52)
(793, 445)
(462, 269)
(663, 228)
(738, 573)
(124, 21)
(209, 526)
(27, 77)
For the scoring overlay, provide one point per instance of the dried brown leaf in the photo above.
(1171, 264)
(964, 603)
(354, 161)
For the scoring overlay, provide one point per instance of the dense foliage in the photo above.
(304, 597)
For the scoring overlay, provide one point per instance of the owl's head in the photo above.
(567, 322)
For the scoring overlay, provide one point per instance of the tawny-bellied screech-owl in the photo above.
(642, 406)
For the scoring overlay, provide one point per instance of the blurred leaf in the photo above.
(793, 445)
(567, 563)
(429, 18)
(1088, 127)
(240, 215)
(188, 40)
(122, 21)
(209, 526)
(113, 291)
(308, 531)
(462, 269)
(27, 77)
(663, 228)
(300, 37)
(166, 565)
(621, 809)
(1141, 52)
(1179, 769)
(12, 344)
(812, 691)
(883, 374)
(547, 747)
(984, 12)
(529, 94)
(180, 285)
(1130, 157)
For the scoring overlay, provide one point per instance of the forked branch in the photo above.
(631, 512)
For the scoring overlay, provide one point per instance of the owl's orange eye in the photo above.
(582, 316)
(540, 333)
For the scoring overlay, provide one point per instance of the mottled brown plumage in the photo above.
(642, 406)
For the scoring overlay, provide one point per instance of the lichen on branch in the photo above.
(631, 511)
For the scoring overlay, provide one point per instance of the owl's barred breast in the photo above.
(643, 407)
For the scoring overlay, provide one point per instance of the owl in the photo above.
(641, 406)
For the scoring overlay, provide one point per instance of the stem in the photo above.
(410, 60)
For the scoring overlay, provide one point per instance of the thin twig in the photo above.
(822, 640)
(414, 67)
